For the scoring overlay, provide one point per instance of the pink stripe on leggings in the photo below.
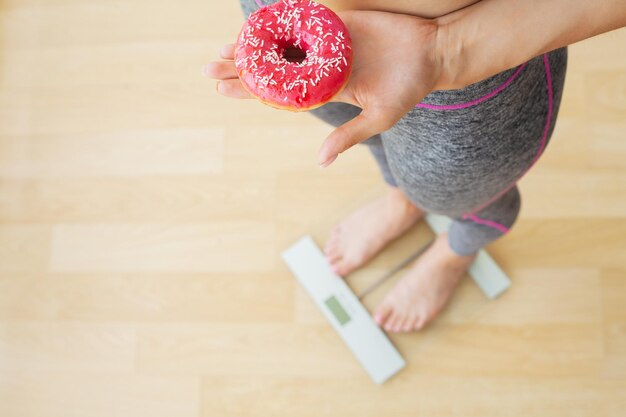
(258, 3)
(478, 100)
(544, 138)
(488, 223)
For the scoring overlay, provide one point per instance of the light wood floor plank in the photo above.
(126, 154)
(223, 349)
(24, 247)
(564, 243)
(193, 247)
(413, 395)
(60, 347)
(147, 297)
(179, 198)
(97, 394)
(614, 303)
(564, 350)
(594, 193)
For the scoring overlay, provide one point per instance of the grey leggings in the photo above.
(461, 152)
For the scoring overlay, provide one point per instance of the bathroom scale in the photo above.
(343, 310)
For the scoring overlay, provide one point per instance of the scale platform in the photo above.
(351, 320)
(343, 310)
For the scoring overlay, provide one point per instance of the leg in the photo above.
(471, 232)
(462, 163)
(363, 233)
(430, 283)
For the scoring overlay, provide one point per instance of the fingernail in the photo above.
(328, 161)
(205, 70)
(217, 86)
(377, 318)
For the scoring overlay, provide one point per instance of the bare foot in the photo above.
(364, 233)
(425, 289)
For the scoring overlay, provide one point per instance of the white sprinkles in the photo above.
(284, 23)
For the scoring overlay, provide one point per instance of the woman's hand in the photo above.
(396, 63)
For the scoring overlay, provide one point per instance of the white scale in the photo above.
(350, 318)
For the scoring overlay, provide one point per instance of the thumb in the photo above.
(367, 124)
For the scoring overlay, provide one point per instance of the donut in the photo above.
(294, 54)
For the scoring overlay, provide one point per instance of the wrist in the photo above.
(449, 54)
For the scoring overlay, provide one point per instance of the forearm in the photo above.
(493, 35)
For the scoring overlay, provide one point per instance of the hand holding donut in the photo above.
(394, 65)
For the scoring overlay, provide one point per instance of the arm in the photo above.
(493, 35)
(458, 49)
(399, 59)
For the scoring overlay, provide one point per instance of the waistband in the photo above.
(489, 87)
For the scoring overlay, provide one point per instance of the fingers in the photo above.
(362, 127)
(232, 89)
(228, 51)
(229, 84)
(222, 70)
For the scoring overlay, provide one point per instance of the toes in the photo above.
(398, 326)
(333, 266)
(389, 323)
(382, 314)
(332, 244)
(340, 267)
(420, 322)
(410, 324)
(407, 324)
(393, 324)
(333, 257)
(335, 232)
(413, 323)
(400, 322)
(345, 266)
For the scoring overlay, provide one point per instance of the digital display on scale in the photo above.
(338, 311)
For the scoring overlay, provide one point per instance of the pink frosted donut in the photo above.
(294, 54)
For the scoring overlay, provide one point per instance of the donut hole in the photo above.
(293, 53)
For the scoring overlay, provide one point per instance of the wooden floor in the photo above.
(142, 217)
